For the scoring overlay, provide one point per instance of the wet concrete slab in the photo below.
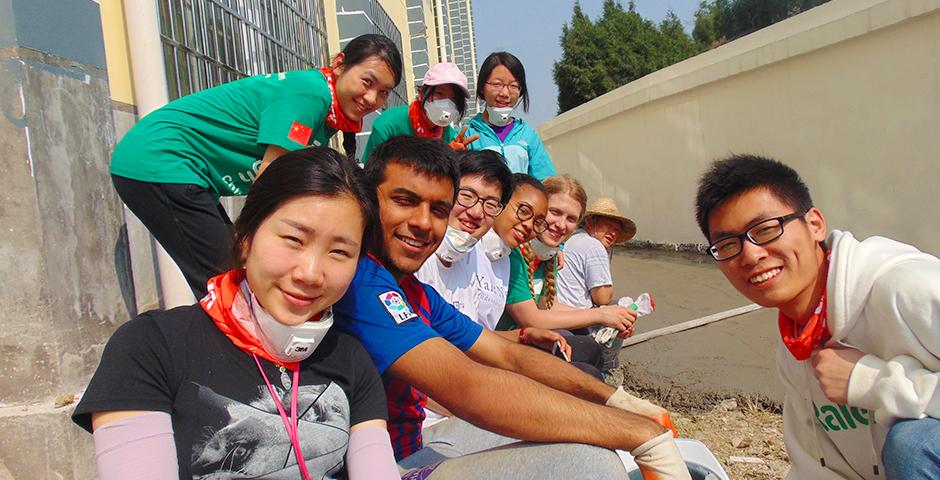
(733, 356)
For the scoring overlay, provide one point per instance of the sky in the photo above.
(530, 30)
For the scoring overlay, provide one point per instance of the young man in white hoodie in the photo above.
(859, 323)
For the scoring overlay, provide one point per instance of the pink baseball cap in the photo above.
(446, 73)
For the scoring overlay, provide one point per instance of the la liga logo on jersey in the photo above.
(396, 306)
(300, 133)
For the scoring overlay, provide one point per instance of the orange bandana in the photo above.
(336, 119)
(815, 332)
(229, 310)
(422, 127)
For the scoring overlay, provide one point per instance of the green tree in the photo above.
(621, 46)
(720, 21)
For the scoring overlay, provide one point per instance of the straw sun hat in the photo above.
(605, 207)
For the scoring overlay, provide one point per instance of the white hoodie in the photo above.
(883, 299)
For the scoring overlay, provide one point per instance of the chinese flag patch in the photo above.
(300, 133)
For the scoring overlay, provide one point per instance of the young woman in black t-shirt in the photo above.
(252, 381)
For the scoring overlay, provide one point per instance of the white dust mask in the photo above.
(493, 246)
(499, 116)
(288, 343)
(455, 245)
(542, 252)
(441, 112)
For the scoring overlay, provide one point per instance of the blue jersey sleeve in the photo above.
(450, 323)
(374, 310)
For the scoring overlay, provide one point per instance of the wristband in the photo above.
(522, 339)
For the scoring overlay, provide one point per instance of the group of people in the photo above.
(434, 312)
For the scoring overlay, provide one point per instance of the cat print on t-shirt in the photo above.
(249, 440)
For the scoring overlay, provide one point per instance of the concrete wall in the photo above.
(64, 255)
(847, 93)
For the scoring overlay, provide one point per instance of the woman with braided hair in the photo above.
(534, 265)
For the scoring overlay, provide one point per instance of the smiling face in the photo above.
(413, 213)
(362, 88)
(563, 215)
(297, 265)
(510, 228)
(603, 228)
(473, 220)
(501, 97)
(786, 273)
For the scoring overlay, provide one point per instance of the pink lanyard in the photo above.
(291, 424)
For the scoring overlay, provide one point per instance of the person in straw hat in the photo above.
(586, 282)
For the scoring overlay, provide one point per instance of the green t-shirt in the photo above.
(394, 122)
(216, 138)
(518, 290)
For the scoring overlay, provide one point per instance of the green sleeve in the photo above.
(379, 134)
(518, 279)
(278, 118)
(450, 134)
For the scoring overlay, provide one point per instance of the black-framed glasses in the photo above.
(468, 198)
(514, 88)
(759, 234)
(524, 212)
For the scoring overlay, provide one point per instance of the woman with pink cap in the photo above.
(441, 102)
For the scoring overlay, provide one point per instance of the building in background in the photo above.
(456, 40)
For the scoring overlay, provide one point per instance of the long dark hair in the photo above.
(317, 171)
(365, 46)
(514, 66)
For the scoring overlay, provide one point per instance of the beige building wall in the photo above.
(847, 93)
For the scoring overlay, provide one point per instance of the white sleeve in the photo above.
(596, 267)
(906, 385)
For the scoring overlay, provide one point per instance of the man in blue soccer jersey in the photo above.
(423, 345)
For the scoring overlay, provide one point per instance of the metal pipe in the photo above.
(148, 75)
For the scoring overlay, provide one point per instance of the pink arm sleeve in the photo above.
(370, 456)
(137, 447)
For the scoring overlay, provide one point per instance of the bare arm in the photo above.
(513, 405)
(528, 314)
(494, 351)
(602, 295)
(270, 154)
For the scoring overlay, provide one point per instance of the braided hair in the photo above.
(558, 184)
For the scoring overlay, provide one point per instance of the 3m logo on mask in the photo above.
(840, 417)
(396, 306)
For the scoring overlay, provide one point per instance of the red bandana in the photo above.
(226, 305)
(525, 249)
(815, 332)
(336, 118)
(422, 127)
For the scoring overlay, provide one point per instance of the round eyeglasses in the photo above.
(761, 233)
(468, 198)
(524, 212)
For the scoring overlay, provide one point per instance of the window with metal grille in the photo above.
(211, 42)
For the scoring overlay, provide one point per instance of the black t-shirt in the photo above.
(224, 419)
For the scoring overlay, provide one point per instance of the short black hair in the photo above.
(740, 173)
(460, 99)
(515, 67)
(365, 46)
(491, 166)
(317, 171)
(430, 157)
(520, 179)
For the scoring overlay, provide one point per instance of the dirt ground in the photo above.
(718, 381)
(740, 426)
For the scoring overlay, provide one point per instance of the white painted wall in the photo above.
(847, 93)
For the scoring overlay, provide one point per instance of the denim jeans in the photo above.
(912, 450)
